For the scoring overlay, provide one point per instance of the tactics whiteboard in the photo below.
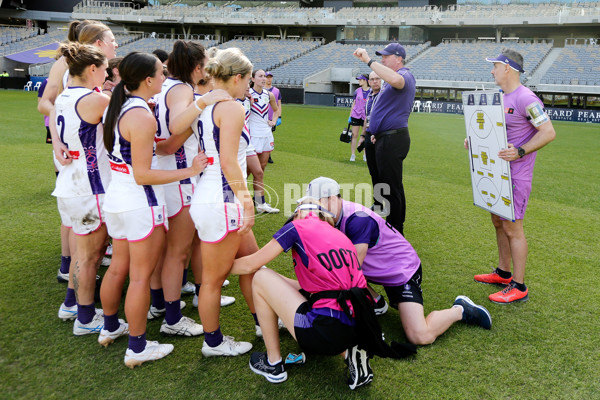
(486, 135)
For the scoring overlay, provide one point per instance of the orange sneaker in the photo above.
(492, 279)
(509, 294)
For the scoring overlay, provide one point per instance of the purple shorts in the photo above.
(521, 191)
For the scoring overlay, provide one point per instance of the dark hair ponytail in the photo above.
(184, 58)
(133, 69)
(117, 99)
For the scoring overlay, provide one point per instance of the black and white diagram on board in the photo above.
(486, 135)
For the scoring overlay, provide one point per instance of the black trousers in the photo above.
(372, 165)
(390, 152)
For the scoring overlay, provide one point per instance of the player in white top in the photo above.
(252, 161)
(222, 204)
(57, 82)
(133, 207)
(262, 134)
(175, 150)
(81, 184)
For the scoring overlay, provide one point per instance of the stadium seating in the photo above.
(576, 65)
(15, 34)
(149, 44)
(33, 42)
(328, 56)
(268, 54)
(466, 61)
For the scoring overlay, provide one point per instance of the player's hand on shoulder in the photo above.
(215, 96)
(108, 85)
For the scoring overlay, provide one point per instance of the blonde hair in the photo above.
(227, 63)
(92, 32)
(308, 205)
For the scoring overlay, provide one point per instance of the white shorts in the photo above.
(250, 150)
(262, 144)
(65, 219)
(214, 221)
(83, 213)
(136, 225)
(177, 197)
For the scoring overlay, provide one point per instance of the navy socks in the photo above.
(111, 322)
(173, 312)
(137, 343)
(158, 298)
(65, 263)
(70, 298)
(213, 339)
(85, 314)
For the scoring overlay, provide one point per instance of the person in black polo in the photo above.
(388, 124)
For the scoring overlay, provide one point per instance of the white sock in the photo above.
(274, 363)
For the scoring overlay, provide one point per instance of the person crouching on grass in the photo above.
(327, 309)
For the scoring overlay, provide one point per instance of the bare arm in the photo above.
(184, 112)
(273, 102)
(173, 143)
(544, 135)
(361, 251)
(53, 87)
(387, 74)
(229, 117)
(277, 114)
(253, 262)
(138, 126)
(178, 99)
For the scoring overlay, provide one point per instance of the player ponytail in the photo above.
(133, 70)
(80, 56)
(184, 58)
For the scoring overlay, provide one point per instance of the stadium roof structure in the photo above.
(426, 16)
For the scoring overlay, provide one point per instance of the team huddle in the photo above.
(157, 158)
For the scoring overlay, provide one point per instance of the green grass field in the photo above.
(546, 348)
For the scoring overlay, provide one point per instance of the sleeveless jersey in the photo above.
(124, 194)
(65, 79)
(360, 101)
(88, 174)
(332, 260)
(184, 156)
(212, 186)
(246, 104)
(259, 113)
(392, 261)
(277, 95)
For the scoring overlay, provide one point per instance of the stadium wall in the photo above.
(448, 107)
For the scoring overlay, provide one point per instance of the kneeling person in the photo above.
(326, 320)
(388, 259)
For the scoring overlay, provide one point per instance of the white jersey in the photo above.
(246, 104)
(65, 79)
(123, 193)
(259, 113)
(212, 186)
(184, 156)
(88, 174)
